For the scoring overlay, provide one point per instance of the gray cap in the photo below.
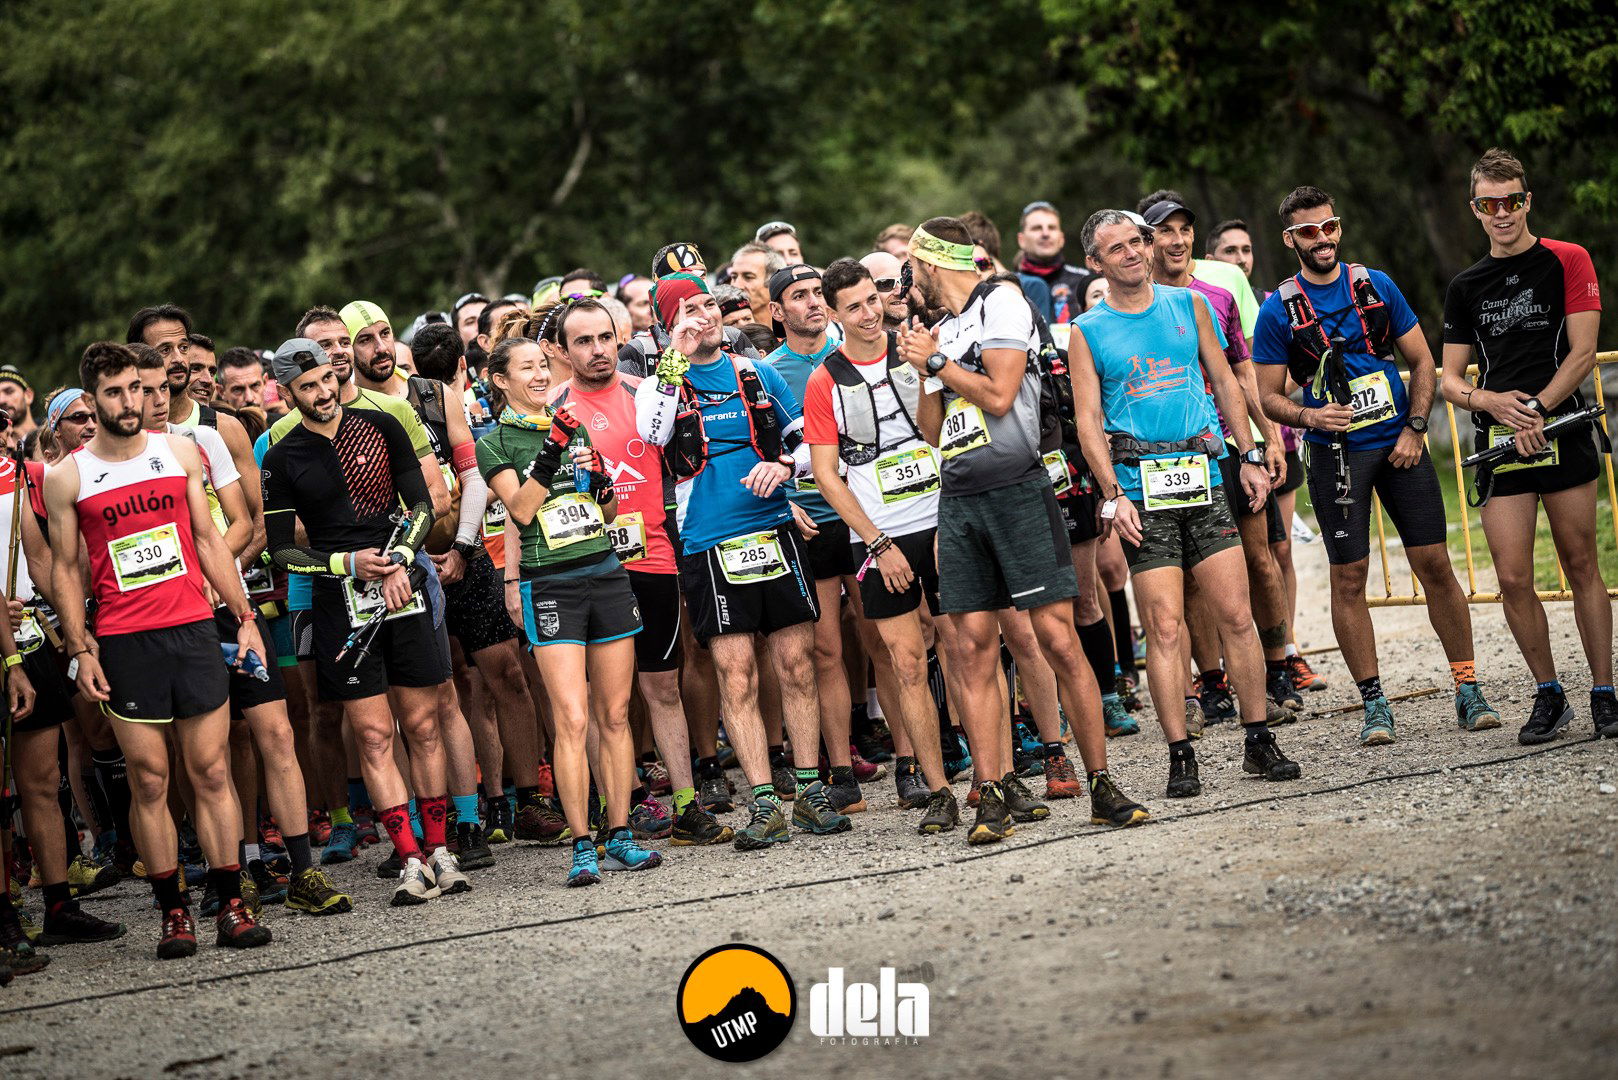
(295, 357)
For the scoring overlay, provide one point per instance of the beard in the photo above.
(321, 410)
(125, 424)
(377, 369)
(1322, 263)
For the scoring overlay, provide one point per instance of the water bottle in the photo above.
(252, 667)
(581, 476)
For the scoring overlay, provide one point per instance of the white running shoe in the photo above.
(447, 869)
(417, 884)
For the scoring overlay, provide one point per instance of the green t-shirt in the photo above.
(561, 536)
(398, 408)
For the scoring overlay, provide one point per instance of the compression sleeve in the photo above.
(474, 501)
(656, 405)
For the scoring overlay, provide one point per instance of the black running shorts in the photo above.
(406, 651)
(589, 610)
(303, 633)
(247, 692)
(722, 606)
(158, 675)
(830, 555)
(878, 602)
(1079, 514)
(475, 606)
(53, 695)
(1578, 461)
(1230, 470)
(657, 646)
(1410, 497)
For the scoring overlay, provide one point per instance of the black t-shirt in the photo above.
(1513, 313)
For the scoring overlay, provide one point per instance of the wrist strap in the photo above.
(338, 564)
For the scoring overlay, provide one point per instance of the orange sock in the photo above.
(1462, 671)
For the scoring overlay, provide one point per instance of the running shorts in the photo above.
(1294, 479)
(157, 675)
(1230, 469)
(720, 606)
(590, 610)
(475, 607)
(1182, 536)
(247, 692)
(407, 651)
(1079, 515)
(918, 550)
(53, 695)
(657, 646)
(829, 551)
(302, 624)
(1003, 548)
(1578, 461)
(1410, 497)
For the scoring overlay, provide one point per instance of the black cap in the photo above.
(1159, 212)
(783, 279)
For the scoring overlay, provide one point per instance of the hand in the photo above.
(1330, 417)
(451, 566)
(806, 524)
(514, 602)
(20, 693)
(248, 640)
(1407, 451)
(1126, 519)
(396, 590)
(1275, 460)
(1531, 440)
(16, 615)
(916, 344)
(370, 565)
(1256, 483)
(584, 459)
(91, 681)
(563, 425)
(765, 477)
(896, 572)
(687, 335)
(1507, 407)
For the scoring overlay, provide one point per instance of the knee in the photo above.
(1516, 579)
(374, 743)
(149, 786)
(209, 777)
(909, 667)
(828, 648)
(1163, 629)
(1060, 647)
(39, 784)
(1580, 565)
(1282, 552)
(1350, 578)
(571, 723)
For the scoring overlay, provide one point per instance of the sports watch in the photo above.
(936, 362)
(1418, 424)
(1253, 457)
(1534, 403)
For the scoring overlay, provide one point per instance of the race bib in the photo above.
(1056, 469)
(569, 519)
(1371, 399)
(147, 558)
(1551, 455)
(906, 474)
(747, 560)
(806, 483)
(364, 600)
(1174, 483)
(29, 635)
(494, 521)
(628, 537)
(258, 581)
(964, 429)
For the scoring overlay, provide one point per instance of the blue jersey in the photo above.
(796, 368)
(300, 587)
(713, 505)
(1150, 370)
(1334, 307)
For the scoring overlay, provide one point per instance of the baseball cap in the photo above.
(1159, 212)
(783, 279)
(295, 357)
(773, 228)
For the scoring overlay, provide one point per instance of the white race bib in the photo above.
(965, 428)
(147, 558)
(1372, 400)
(1056, 468)
(628, 537)
(1174, 483)
(364, 600)
(746, 560)
(1551, 455)
(569, 519)
(906, 474)
(494, 520)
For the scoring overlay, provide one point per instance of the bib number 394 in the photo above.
(1174, 483)
(750, 559)
(569, 519)
(965, 428)
(146, 558)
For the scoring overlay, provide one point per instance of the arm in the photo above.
(1275, 455)
(61, 498)
(1423, 382)
(1093, 439)
(243, 529)
(1582, 327)
(41, 567)
(432, 479)
(994, 390)
(241, 452)
(218, 564)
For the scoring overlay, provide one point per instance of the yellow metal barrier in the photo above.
(1389, 598)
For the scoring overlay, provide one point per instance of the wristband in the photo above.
(13, 660)
(338, 563)
(81, 652)
(464, 547)
(246, 617)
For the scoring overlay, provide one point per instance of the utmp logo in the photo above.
(889, 1013)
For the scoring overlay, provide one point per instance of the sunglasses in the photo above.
(75, 418)
(1308, 231)
(1491, 205)
(885, 284)
(470, 298)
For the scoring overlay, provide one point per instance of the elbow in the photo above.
(1000, 404)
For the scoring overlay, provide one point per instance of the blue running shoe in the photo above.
(1116, 719)
(1026, 741)
(957, 757)
(1378, 727)
(1471, 711)
(585, 869)
(343, 845)
(624, 854)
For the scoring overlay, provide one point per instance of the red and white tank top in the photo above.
(137, 528)
(10, 477)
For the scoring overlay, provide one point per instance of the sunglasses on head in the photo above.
(1309, 230)
(1493, 204)
(470, 298)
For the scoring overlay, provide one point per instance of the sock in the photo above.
(298, 851)
(1462, 671)
(1259, 733)
(509, 789)
(525, 796)
(804, 777)
(1096, 640)
(434, 810)
(466, 810)
(113, 778)
(1111, 697)
(639, 795)
(1607, 690)
(1292, 650)
(1052, 749)
(56, 897)
(98, 798)
(935, 683)
(1370, 689)
(252, 853)
(341, 816)
(415, 819)
(396, 822)
(1123, 639)
(859, 719)
(357, 795)
(166, 888)
(1281, 665)
(1554, 686)
(227, 882)
(1180, 748)
(708, 767)
(683, 797)
(764, 791)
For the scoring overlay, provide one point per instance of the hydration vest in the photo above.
(688, 449)
(1310, 349)
(859, 439)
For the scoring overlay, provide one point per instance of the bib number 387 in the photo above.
(1174, 483)
(143, 559)
(965, 428)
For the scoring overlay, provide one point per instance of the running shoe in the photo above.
(1551, 713)
(1184, 782)
(1278, 684)
(1020, 802)
(546, 779)
(1061, 782)
(1214, 692)
(270, 834)
(1604, 711)
(249, 893)
(72, 926)
(499, 820)
(85, 876)
(912, 788)
(22, 960)
(1276, 715)
(722, 751)
(447, 872)
(698, 828)
(813, 812)
(416, 884)
(649, 819)
(210, 900)
(766, 826)
(957, 754)
(1378, 727)
(994, 819)
(1116, 719)
(657, 779)
(714, 794)
(1027, 752)
(16, 944)
(782, 778)
(1305, 677)
(475, 853)
(365, 825)
(864, 771)
(342, 846)
(586, 868)
(312, 893)
(272, 887)
(1472, 712)
(943, 812)
(1127, 690)
(390, 866)
(845, 795)
(540, 822)
(179, 937)
(623, 853)
(1195, 718)
(238, 928)
(1262, 757)
(870, 747)
(1109, 806)
(319, 827)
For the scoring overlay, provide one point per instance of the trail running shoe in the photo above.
(650, 820)
(1262, 757)
(814, 813)
(179, 937)
(417, 885)
(1275, 715)
(1305, 677)
(911, 786)
(1128, 692)
(1551, 713)
(657, 779)
(270, 834)
(540, 822)
(1184, 781)
(1472, 712)
(1604, 712)
(782, 778)
(1026, 750)
(319, 827)
(1278, 685)
(1116, 719)
(365, 825)
(1195, 718)
(1020, 802)
(447, 872)
(1213, 690)
(623, 853)
(957, 755)
(864, 771)
(1061, 782)
(1109, 806)
(85, 876)
(250, 895)
(697, 828)
(1378, 727)
(870, 747)
(238, 928)
(474, 853)
(943, 812)
(210, 900)
(546, 780)
(272, 888)
(714, 794)
(994, 819)
(391, 866)
(845, 795)
(22, 960)
(725, 756)
(312, 893)
(766, 826)
(499, 827)
(586, 868)
(343, 845)
(76, 927)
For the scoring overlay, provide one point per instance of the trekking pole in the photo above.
(367, 630)
(6, 809)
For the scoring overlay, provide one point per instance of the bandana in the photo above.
(512, 418)
(670, 292)
(60, 404)
(941, 253)
(359, 314)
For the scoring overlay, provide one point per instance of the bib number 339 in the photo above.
(1174, 483)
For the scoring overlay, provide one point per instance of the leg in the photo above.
(1351, 618)
(1038, 680)
(500, 668)
(666, 715)
(1508, 525)
(1059, 643)
(1572, 515)
(1223, 585)
(611, 672)
(736, 667)
(203, 742)
(792, 650)
(1160, 600)
(35, 767)
(976, 661)
(1447, 608)
(146, 756)
(913, 713)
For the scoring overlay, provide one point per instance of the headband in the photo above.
(941, 253)
(60, 404)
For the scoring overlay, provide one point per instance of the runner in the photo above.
(730, 428)
(344, 473)
(1335, 328)
(751, 268)
(1148, 427)
(640, 356)
(781, 238)
(1528, 314)
(635, 292)
(1001, 542)
(137, 499)
(204, 369)
(463, 316)
(886, 273)
(578, 608)
(1040, 238)
(241, 378)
